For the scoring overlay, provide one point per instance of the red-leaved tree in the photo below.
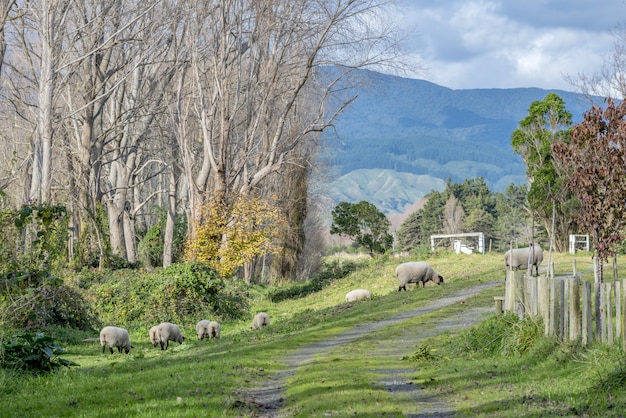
(595, 161)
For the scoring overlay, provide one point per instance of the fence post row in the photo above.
(570, 310)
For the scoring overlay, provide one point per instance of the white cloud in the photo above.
(498, 44)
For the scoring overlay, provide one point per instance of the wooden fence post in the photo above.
(587, 327)
(509, 294)
(543, 302)
(574, 330)
(608, 310)
(554, 312)
(597, 290)
(562, 310)
(618, 310)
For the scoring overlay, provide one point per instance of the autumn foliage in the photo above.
(595, 161)
(229, 236)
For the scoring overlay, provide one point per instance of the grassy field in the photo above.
(464, 369)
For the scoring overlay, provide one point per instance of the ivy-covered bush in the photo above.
(34, 353)
(179, 293)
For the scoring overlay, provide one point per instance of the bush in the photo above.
(330, 272)
(176, 293)
(33, 353)
(49, 305)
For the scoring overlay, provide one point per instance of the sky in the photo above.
(466, 44)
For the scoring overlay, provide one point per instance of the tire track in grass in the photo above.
(267, 399)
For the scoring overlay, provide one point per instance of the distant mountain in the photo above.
(402, 138)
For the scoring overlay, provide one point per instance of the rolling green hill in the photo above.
(421, 133)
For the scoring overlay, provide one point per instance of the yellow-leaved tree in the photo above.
(230, 236)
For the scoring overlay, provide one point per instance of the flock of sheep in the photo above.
(410, 272)
(421, 272)
(165, 332)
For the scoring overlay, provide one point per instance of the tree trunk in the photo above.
(168, 238)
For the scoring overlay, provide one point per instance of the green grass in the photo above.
(210, 378)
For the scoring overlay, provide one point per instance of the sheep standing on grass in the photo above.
(154, 335)
(261, 319)
(358, 294)
(169, 332)
(416, 272)
(214, 329)
(518, 258)
(202, 329)
(115, 337)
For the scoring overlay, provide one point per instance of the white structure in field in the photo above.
(461, 243)
(578, 243)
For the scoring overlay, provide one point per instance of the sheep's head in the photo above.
(438, 279)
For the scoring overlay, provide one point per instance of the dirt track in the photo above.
(267, 399)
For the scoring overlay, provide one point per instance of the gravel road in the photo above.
(267, 399)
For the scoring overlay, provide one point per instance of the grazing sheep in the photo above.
(169, 332)
(214, 330)
(518, 258)
(260, 320)
(416, 272)
(115, 337)
(154, 335)
(202, 329)
(357, 294)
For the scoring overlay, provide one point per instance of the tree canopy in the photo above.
(548, 121)
(364, 224)
(595, 162)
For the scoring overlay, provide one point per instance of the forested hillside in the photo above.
(403, 125)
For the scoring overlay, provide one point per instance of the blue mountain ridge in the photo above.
(411, 131)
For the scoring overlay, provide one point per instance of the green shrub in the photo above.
(330, 272)
(49, 305)
(34, 353)
(176, 293)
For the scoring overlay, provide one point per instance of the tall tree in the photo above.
(595, 161)
(363, 223)
(548, 121)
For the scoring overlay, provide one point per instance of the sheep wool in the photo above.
(154, 335)
(261, 319)
(115, 337)
(358, 294)
(169, 332)
(214, 329)
(416, 272)
(518, 258)
(202, 329)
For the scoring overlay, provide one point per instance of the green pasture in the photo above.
(464, 369)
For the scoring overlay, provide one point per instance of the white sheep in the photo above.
(115, 337)
(416, 272)
(357, 294)
(260, 320)
(169, 332)
(202, 329)
(214, 329)
(518, 258)
(154, 335)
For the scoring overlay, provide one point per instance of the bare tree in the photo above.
(253, 66)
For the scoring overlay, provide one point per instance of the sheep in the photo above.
(518, 258)
(169, 332)
(202, 329)
(416, 272)
(154, 335)
(215, 329)
(115, 337)
(358, 294)
(260, 320)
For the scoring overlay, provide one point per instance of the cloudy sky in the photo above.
(510, 43)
